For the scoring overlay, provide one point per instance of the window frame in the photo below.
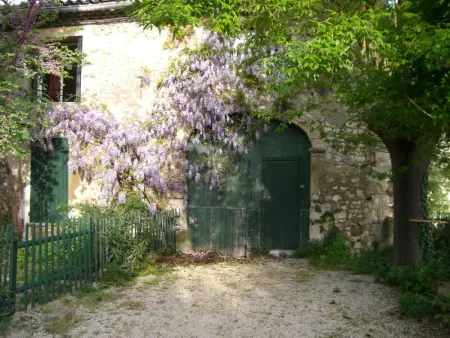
(76, 41)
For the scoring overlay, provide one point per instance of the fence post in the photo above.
(174, 216)
(90, 249)
(13, 267)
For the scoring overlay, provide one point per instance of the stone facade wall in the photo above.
(123, 65)
(119, 55)
(347, 186)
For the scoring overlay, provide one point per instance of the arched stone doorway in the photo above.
(265, 201)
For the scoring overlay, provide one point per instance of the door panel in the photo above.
(281, 196)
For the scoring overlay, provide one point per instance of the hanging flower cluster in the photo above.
(123, 158)
(203, 95)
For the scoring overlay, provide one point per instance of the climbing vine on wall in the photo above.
(426, 235)
(204, 100)
(327, 218)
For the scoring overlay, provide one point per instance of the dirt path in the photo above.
(269, 299)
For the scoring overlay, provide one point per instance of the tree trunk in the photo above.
(14, 190)
(410, 164)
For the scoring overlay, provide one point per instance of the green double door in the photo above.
(265, 200)
(49, 181)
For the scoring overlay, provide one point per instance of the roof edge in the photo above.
(108, 6)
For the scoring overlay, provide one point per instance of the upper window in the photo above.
(58, 89)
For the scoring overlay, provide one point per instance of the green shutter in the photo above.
(49, 181)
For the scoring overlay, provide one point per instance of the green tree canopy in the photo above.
(386, 61)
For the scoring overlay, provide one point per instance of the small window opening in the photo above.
(59, 89)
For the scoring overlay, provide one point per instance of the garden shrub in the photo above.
(335, 256)
(418, 279)
(418, 284)
(169, 250)
(313, 248)
(372, 262)
(416, 305)
(441, 243)
(443, 309)
(259, 252)
(331, 236)
(332, 252)
(116, 275)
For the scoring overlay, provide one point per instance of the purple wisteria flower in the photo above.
(198, 96)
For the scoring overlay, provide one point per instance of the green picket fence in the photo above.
(8, 259)
(55, 259)
(158, 230)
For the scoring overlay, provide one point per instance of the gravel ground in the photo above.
(271, 298)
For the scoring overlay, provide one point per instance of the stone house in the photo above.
(278, 197)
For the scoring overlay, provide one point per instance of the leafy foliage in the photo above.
(115, 275)
(168, 250)
(439, 185)
(330, 252)
(377, 263)
(133, 204)
(418, 285)
(385, 61)
(335, 256)
(23, 55)
(416, 305)
(129, 243)
(314, 248)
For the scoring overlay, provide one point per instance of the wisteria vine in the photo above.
(202, 101)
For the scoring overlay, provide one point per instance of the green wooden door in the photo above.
(285, 178)
(49, 181)
(238, 218)
(220, 219)
(281, 204)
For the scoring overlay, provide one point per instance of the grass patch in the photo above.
(90, 296)
(67, 301)
(131, 305)
(153, 281)
(46, 308)
(59, 327)
(304, 277)
(146, 269)
(161, 278)
(115, 275)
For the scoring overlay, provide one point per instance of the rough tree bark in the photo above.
(410, 163)
(14, 190)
